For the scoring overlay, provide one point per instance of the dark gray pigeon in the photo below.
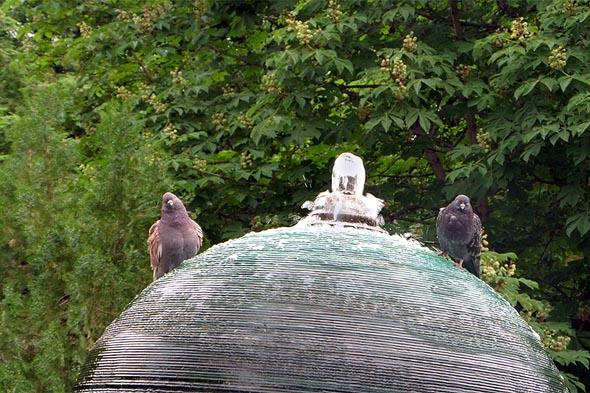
(459, 233)
(173, 238)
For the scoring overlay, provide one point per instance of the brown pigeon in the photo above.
(173, 238)
(459, 233)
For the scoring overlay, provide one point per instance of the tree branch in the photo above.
(361, 86)
(471, 132)
(455, 19)
(241, 59)
(483, 208)
(479, 25)
(417, 176)
(551, 236)
(402, 211)
(554, 182)
(143, 68)
(430, 154)
(366, 86)
(471, 129)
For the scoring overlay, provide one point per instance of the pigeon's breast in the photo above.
(172, 245)
(457, 229)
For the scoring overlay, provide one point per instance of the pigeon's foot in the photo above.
(459, 263)
(441, 254)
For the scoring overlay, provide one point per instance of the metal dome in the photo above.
(319, 308)
(333, 304)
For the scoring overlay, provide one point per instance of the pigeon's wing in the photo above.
(474, 248)
(440, 230)
(155, 246)
(439, 221)
(196, 233)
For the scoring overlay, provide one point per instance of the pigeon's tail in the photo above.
(472, 266)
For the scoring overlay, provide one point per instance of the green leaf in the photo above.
(370, 124)
(379, 90)
(411, 117)
(261, 129)
(577, 101)
(258, 40)
(433, 83)
(531, 151)
(583, 224)
(570, 356)
(322, 56)
(399, 122)
(457, 173)
(564, 82)
(550, 83)
(579, 222)
(342, 64)
(582, 78)
(563, 135)
(579, 129)
(573, 383)
(525, 89)
(570, 195)
(498, 55)
(406, 11)
(529, 283)
(424, 121)
(386, 122)
(301, 101)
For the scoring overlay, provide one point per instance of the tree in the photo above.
(247, 103)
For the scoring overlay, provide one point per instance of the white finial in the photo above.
(346, 205)
(348, 175)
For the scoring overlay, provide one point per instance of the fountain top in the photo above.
(346, 205)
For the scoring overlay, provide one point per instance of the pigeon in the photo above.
(173, 238)
(459, 234)
(348, 175)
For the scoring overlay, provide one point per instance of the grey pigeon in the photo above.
(173, 238)
(459, 233)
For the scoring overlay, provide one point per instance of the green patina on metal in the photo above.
(319, 308)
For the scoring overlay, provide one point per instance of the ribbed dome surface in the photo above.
(319, 309)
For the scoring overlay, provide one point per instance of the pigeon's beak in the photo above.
(462, 206)
(170, 203)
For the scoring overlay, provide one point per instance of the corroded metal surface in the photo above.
(319, 308)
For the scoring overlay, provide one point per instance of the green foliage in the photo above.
(241, 107)
(36, 239)
(498, 270)
(73, 257)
